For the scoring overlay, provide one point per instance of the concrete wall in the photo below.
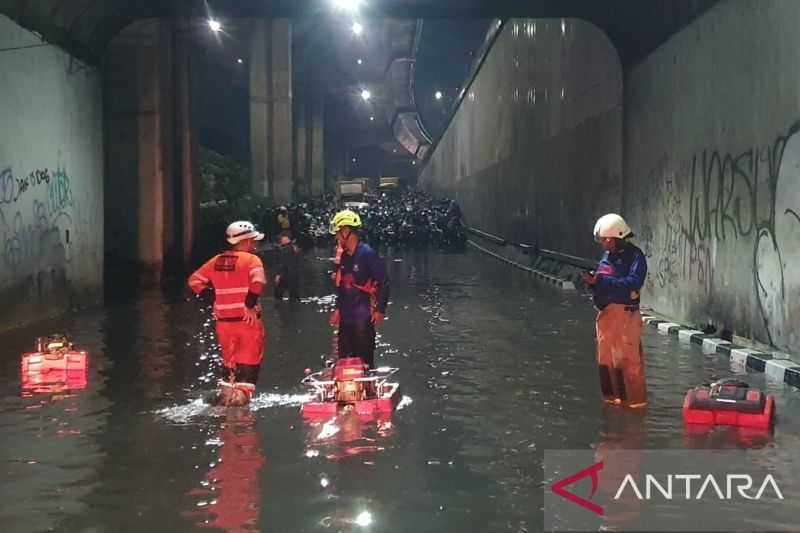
(534, 152)
(712, 161)
(51, 179)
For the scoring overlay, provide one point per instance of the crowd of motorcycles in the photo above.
(406, 219)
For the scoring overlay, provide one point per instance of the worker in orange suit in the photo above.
(233, 281)
(616, 286)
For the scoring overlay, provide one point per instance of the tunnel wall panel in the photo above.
(51, 186)
(534, 151)
(712, 170)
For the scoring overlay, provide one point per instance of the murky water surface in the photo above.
(495, 368)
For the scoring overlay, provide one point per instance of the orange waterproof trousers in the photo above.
(241, 343)
(619, 355)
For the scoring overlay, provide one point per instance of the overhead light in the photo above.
(354, 160)
(215, 25)
(394, 150)
(364, 519)
(371, 119)
(438, 95)
(359, 61)
(240, 60)
(413, 162)
(366, 95)
(357, 28)
(347, 5)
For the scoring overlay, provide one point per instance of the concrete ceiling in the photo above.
(85, 27)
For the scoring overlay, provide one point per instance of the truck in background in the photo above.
(389, 184)
(353, 194)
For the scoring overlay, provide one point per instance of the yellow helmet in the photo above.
(345, 218)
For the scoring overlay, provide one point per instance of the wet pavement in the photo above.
(494, 369)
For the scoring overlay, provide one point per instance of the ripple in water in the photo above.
(181, 414)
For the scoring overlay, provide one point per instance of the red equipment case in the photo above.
(730, 403)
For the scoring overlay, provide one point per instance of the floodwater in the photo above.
(495, 368)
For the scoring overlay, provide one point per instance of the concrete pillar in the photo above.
(271, 132)
(317, 150)
(282, 149)
(149, 108)
(170, 193)
(335, 152)
(150, 157)
(301, 132)
(259, 108)
(186, 167)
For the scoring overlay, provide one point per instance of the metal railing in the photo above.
(573, 260)
(488, 236)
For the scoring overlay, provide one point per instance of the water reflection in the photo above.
(499, 368)
(229, 498)
(348, 435)
(51, 409)
(621, 429)
(697, 436)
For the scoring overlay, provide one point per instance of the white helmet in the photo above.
(611, 225)
(241, 230)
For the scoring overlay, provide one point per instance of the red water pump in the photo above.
(729, 402)
(348, 382)
(54, 366)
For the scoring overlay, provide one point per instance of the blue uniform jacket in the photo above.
(365, 266)
(620, 277)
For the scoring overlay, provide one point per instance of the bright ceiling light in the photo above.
(357, 28)
(215, 25)
(438, 95)
(240, 60)
(371, 119)
(347, 5)
(364, 519)
(359, 61)
(366, 95)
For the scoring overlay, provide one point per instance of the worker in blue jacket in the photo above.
(362, 290)
(616, 290)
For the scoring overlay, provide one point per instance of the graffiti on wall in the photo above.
(747, 202)
(776, 254)
(36, 226)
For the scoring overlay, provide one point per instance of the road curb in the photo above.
(777, 366)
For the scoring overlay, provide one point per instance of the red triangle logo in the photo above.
(558, 487)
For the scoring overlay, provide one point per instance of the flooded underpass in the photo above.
(495, 368)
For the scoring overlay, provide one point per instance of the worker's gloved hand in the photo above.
(335, 317)
(251, 315)
(207, 296)
(377, 318)
(589, 278)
